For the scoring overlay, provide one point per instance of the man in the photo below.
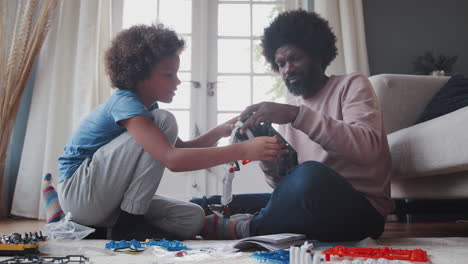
(340, 190)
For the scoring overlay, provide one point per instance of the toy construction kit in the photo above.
(31, 259)
(25, 249)
(342, 255)
(136, 247)
(17, 244)
(288, 162)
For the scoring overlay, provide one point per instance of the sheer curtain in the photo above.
(70, 82)
(23, 27)
(347, 21)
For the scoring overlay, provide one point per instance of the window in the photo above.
(169, 12)
(242, 75)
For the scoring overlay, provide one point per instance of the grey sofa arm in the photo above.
(404, 97)
(438, 146)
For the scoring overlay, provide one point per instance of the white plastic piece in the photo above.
(237, 126)
(297, 256)
(357, 261)
(370, 261)
(301, 255)
(291, 254)
(306, 257)
(317, 259)
(226, 197)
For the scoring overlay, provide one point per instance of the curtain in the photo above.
(23, 28)
(347, 21)
(70, 82)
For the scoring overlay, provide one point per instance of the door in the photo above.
(240, 77)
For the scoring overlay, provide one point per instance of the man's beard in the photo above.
(308, 86)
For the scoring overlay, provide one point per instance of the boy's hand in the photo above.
(276, 113)
(225, 129)
(264, 148)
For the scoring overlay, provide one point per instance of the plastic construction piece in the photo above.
(123, 244)
(245, 162)
(371, 261)
(36, 259)
(276, 257)
(129, 247)
(282, 167)
(220, 210)
(173, 245)
(301, 255)
(16, 244)
(417, 255)
(265, 129)
(170, 245)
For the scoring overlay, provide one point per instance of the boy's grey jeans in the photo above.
(121, 175)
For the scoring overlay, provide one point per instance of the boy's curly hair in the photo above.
(135, 52)
(305, 30)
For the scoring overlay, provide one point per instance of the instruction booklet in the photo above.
(271, 242)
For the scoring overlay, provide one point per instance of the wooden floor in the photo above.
(425, 229)
(392, 229)
(8, 226)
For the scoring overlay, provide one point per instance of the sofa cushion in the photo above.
(451, 97)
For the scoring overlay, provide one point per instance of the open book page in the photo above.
(270, 242)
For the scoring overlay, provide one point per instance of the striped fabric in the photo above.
(52, 205)
(223, 228)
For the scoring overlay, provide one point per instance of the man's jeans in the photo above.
(313, 200)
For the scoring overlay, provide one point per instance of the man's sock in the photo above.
(52, 205)
(223, 228)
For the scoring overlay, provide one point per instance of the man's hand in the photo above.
(261, 112)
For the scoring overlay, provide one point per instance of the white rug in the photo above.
(440, 250)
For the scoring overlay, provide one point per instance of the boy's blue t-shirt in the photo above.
(99, 128)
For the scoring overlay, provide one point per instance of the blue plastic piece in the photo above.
(276, 257)
(173, 245)
(124, 244)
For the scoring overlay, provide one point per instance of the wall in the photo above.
(398, 31)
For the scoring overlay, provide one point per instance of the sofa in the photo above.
(430, 159)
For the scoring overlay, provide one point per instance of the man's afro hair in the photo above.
(305, 30)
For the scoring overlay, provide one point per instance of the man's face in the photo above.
(302, 75)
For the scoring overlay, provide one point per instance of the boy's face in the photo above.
(163, 82)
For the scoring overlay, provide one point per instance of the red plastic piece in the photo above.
(418, 255)
(245, 162)
(231, 170)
